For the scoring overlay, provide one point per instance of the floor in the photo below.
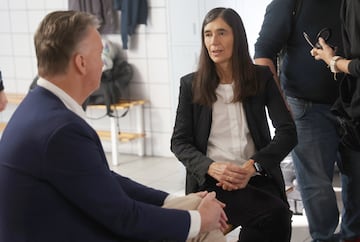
(168, 174)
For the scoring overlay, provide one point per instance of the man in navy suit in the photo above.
(55, 183)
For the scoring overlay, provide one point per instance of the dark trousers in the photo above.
(258, 209)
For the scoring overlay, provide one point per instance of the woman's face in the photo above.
(219, 40)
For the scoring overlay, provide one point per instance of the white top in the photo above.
(230, 138)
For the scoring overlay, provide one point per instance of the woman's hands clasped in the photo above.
(231, 176)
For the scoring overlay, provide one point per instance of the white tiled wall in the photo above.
(148, 53)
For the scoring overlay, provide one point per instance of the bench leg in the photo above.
(140, 129)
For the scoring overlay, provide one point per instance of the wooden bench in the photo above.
(113, 135)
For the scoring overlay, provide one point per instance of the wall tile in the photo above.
(23, 68)
(139, 91)
(34, 18)
(18, 4)
(9, 82)
(4, 4)
(6, 45)
(159, 71)
(56, 5)
(21, 45)
(161, 144)
(157, 3)
(141, 28)
(19, 21)
(159, 96)
(156, 21)
(148, 145)
(147, 117)
(35, 4)
(137, 46)
(157, 46)
(140, 67)
(23, 85)
(33, 64)
(161, 120)
(5, 26)
(32, 46)
(7, 67)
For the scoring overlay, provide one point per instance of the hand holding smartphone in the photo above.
(325, 33)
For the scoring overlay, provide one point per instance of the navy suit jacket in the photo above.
(55, 183)
(193, 123)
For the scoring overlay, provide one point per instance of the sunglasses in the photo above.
(325, 33)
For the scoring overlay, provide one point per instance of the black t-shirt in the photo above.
(301, 75)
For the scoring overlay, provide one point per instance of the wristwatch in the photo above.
(258, 168)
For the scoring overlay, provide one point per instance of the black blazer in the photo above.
(193, 122)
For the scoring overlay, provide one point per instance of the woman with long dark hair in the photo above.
(221, 133)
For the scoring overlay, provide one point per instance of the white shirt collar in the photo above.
(68, 101)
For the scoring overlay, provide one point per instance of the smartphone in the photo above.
(325, 33)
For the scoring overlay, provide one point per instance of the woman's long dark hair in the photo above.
(206, 78)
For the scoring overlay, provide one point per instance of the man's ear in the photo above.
(80, 63)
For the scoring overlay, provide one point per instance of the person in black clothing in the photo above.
(310, 91)
(221, 132)
(347, 108)
(3, 99)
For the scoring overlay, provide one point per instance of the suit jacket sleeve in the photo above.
(76, 167)
(190, 134)
(271, 151)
